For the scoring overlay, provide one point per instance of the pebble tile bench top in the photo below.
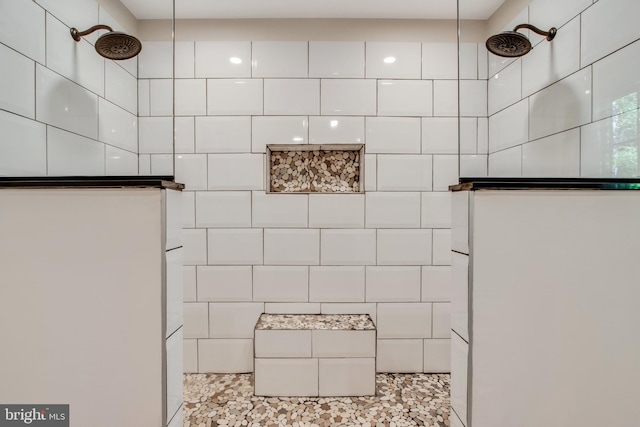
(350, 322)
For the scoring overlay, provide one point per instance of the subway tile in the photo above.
(440, 60)
(392, 135)
(436, 283)
(234, 97)
(619, 16)
(393, 284)
(442, 247)
(286, 377)
(336, 59)
(445, 172)
(23, 144)
(185, 134)
(155, 135)
(505, 88)
(393, 60)
(185, 60)
(473, 165)
(483, 62)
(225, 356)
(441, 320)
(76, 61)
(399, 356)
(483, 135)
(233, 319)
(82, 14)
(282, 343)
(190, 97)
(228, 134)
(144, 164)
(348, 97)
(561, 106)
(279, 210)
(223, 209)
(236, 171)
(190, 356)
(196, 319)
(336, 284)
(292, 308)
(235, 246)
(280, 59)
(189, 209)
(393, 210)
(144, 97)
(120, 87)
(155, 61)
(348, 247)
(445, 98)
(173, 289)
(436, 210)
(460, 221)
(440, 135)
(469, 61)
(547, 13)
(336, 210)
(473, 98)
(161, 97)
(194, 242)
(174, 378)
(370, 172)
(404, 247)
(347, 376)
(404, 320)
(162, 164)
(290, 97)
(616, 83)
(460, 295)
(119, 127)
(336, 130)
(550, 62)
(509, 127)
(191, 170)
(506, 163)
(350, 308)
(189, 287)
(281, 284)
(404, 172)
(220, 59)
(73, 155)
(17, 91)
(22, 27)
(405, 98)
(557, 155)
(278, 130)
(120, 162)
(459, 364)
(64, 104)
(437, 356)
(291, 247)
(224, 283)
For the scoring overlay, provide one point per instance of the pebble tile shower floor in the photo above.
(402, 400)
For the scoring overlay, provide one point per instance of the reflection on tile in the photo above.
(336, 59)
(393, 60)
(222, 59)
(120, 162)
(336, 130)
(70, 154)
(23, 146)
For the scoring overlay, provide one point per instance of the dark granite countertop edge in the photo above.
(129, 181)
(474, 184)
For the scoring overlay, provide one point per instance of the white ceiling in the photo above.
(381, 9)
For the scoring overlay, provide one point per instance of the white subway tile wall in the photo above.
(382, 252)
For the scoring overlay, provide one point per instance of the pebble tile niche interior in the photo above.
(315, 168)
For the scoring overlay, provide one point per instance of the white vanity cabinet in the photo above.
(91, 298)
(545, 303)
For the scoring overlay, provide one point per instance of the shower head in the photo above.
(512, 44)
(112, 45)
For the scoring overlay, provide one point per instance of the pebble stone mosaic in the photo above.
(316, 321)
(318, 171)
(401, 400)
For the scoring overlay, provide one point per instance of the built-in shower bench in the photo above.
(315, 355)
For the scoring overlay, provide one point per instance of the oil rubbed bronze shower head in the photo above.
(512, 44)
(112, 45)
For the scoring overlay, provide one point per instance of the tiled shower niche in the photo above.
(335, 168)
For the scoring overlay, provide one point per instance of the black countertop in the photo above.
(133, 181)
(474, 184)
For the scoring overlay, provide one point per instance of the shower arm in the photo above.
(77, 35)
(548, 34)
